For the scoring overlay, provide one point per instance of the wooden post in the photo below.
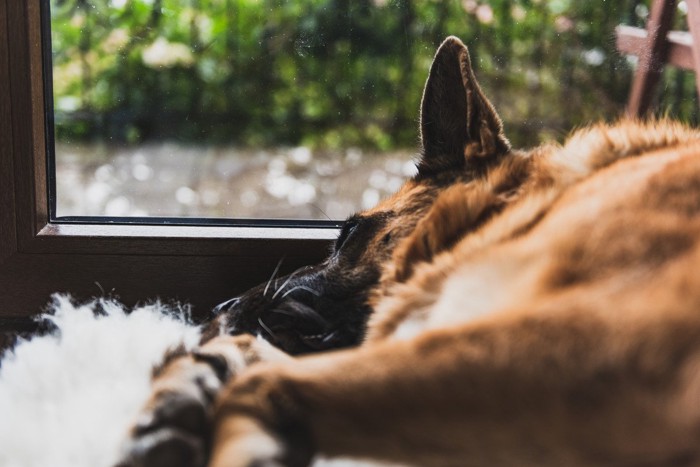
(694, 27)
(653, 57)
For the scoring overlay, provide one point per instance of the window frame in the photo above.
(201, 265)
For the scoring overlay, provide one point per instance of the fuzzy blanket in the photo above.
(68, 398)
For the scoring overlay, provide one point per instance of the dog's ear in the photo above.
(458, 123)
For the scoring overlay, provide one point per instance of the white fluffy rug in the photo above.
(67, 399)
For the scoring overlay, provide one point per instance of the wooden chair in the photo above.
(656, 46)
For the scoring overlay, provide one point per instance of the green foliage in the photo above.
(329, 73)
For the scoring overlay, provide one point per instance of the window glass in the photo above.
(304, 109)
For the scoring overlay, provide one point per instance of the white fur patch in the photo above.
(409, 328)
(67, 399)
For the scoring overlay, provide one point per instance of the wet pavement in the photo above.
(166, 179)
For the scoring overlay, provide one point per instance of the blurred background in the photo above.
(308, 109)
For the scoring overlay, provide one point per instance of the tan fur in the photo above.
(539, 308)
(551, 171)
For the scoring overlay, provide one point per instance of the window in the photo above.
(265, 109)
(232, 109)
(200, 264)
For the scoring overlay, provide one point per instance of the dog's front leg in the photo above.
(573, 389)
(174, 427)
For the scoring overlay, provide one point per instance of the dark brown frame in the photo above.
(202, 265)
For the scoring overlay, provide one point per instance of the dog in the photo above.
(504, 307)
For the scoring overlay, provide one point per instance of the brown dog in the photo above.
(525, 308)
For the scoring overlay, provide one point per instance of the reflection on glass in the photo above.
(303, 109)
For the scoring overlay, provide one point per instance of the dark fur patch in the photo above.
(171, 355)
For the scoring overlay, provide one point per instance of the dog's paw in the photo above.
(164, 447)
(260, 421)
(241, 441)
(173, 430)
(174, 427)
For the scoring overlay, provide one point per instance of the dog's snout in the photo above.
(301, 312)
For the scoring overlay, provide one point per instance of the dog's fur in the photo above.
(527, 308)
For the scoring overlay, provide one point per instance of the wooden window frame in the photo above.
(201, 265)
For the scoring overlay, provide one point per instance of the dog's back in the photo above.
(594, 224)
